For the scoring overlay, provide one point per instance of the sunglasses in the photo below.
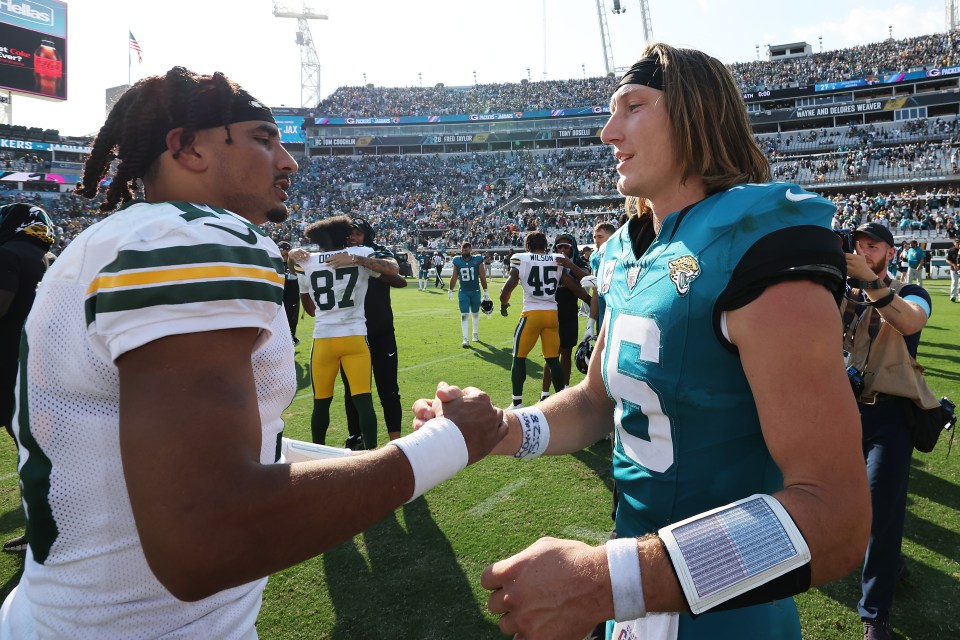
(560, 245)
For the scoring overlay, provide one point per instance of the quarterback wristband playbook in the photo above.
(436, 452)
(623, 561)
(535, 432)
(737, 554)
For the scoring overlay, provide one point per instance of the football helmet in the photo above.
(487, 306)
(584, 351)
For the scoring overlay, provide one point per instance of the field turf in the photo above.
(416, 574)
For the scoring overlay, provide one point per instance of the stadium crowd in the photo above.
(493, 199)
(875, 59)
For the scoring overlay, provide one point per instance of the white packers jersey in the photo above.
(146, 272)
(338, 293)
(540, 277)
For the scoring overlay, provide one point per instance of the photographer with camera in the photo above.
(882, 320)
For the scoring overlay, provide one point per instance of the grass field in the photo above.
(416, 575)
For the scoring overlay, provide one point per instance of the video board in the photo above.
(33, 47)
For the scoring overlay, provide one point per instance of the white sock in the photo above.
(476, 323)
(544, 395)
(464, 325)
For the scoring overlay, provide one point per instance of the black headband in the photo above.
(243, 107)
(646, 71)
(211, 113)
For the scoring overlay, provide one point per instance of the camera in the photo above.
(949, 410)
(856, 382)
(846, 240)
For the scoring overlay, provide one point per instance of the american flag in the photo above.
(136, 47)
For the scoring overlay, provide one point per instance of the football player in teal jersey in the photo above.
(469, 270)
(719, 367)
(424, 264)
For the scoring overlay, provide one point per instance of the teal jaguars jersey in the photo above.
(468, 271)
(688, 436)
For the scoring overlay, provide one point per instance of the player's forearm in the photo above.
(380, 265)
(568, 433)
(269, 517)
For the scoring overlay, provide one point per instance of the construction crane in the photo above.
(619, 9)
(309, 62)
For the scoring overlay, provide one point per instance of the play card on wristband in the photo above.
(727, 551)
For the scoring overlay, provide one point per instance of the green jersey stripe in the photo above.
(145, 297)
(35, 473)
(192, 256)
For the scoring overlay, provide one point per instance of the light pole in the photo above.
(364, 78)
(420, 77)
(474, 77)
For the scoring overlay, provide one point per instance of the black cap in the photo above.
(877, 231)
(284, 245)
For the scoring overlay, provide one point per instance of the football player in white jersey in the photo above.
(157, 362)
(333, 289)
(539, 274)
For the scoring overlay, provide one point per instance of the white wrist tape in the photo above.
(591, 326)
(623, 561)
(724, 552)
(436, 452)
(535, 430)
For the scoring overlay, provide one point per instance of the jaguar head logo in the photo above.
(683, 271)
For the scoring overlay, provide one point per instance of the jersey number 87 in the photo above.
(323, 292)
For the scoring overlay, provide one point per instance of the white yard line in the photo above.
(586, 535)
(491, 503)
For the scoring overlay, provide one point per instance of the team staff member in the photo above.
(437, 268)
(882, 321)
(568, 305)
(334, 291)
(539, 274)
(708, 357)
(291, 290)
(157, 363)
(382, 340)
(470, 271)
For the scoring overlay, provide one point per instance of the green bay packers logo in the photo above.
(683, 271)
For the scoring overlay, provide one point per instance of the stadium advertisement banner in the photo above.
(45, 16)
(473, 117)
(828, 111)
(291, 128)
(31, 145)
(33, 47)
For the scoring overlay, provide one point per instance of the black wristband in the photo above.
(874, 284)
(884, 301)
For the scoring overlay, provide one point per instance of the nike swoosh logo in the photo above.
(799, 197)
(250, 237)
(390, 355)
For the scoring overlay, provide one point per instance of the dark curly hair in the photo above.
(330, 233)
(136, 129)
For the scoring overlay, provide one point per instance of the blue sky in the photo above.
(398, 43)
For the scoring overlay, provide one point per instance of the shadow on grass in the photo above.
(303, 377)
(413, 586)
(597, 458)
(503, 358)
(924, 604)
(933, 488)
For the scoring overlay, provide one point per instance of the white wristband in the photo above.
(436, 452)
(535, 432)
(623, 561)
